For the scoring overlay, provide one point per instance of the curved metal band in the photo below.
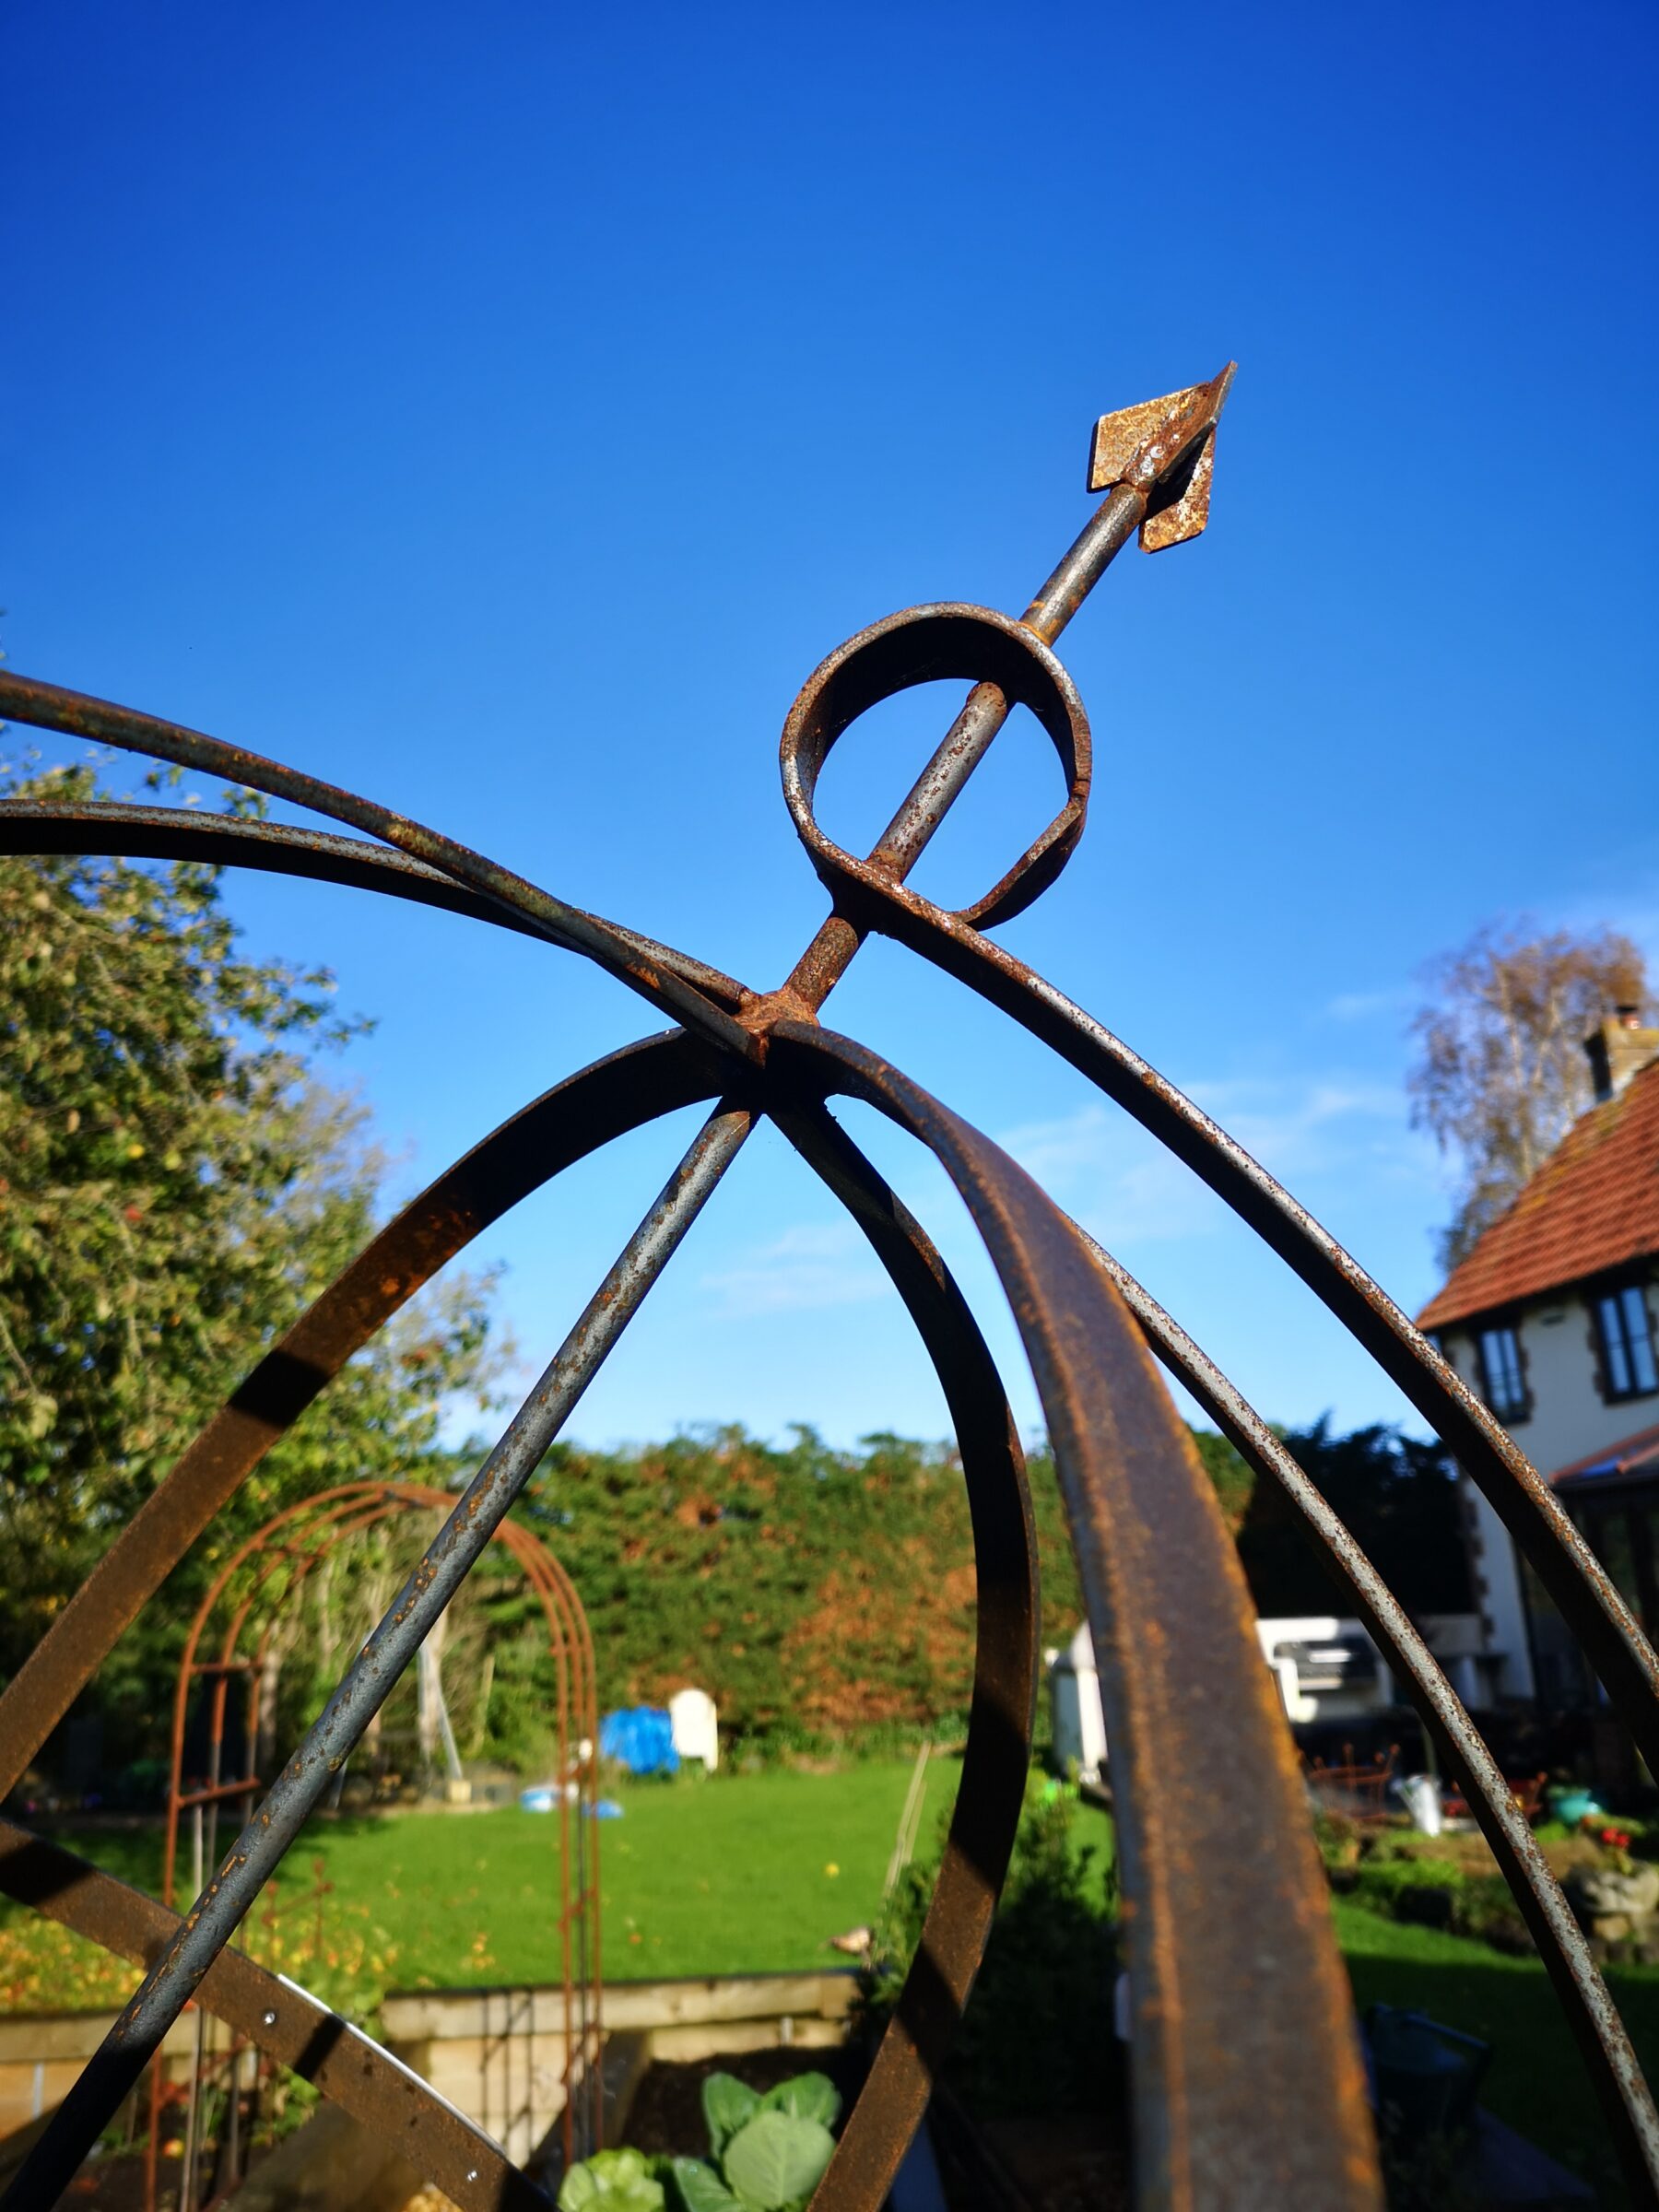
(1008, 1629)
(347, 2066)
(919, 646)
(1210, 1803)
(1613, 1639)
(75, 715)
(1609, 2056)
(608, 1098)
(280, 849)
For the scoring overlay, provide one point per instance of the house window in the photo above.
(1502, 1384)
(1627, 1343)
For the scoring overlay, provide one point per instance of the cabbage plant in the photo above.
(767, 2154)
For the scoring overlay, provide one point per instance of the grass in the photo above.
(752, 1873)
(746, 1873)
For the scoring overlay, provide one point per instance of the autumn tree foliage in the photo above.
(820, 1595)
(1500, 1070)
(176, 1184)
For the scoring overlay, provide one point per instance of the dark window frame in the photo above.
(1615, 1290)
(1490, 1324)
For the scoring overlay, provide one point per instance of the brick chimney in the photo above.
(1619, 1048)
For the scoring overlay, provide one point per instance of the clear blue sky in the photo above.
(502, 410)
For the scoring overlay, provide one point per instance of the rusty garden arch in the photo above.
(267, 1573)
(1246, 2084)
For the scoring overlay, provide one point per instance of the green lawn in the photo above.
(753, 1872)
(742, 1872)
(746, 1873)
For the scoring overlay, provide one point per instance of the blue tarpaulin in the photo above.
(641, 1738)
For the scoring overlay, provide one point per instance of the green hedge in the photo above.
(821, 1597)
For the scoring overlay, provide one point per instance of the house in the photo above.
(1550, 1319)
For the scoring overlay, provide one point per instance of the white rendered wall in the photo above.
(1569, 1420)
(1497, 1575)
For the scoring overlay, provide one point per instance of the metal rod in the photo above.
(233, 2118)
(187, 2163)
(74, 714)
(1098, 544)
(280, 847)
(966, 743)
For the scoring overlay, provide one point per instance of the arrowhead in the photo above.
(1166, 447)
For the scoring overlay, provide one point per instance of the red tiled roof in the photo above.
(1632, 1455)
(1593, 1205)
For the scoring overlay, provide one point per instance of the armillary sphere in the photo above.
(1247, 2087)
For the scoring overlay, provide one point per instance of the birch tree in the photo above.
(1500, 1072)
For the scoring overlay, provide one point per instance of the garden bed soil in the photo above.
(1072, 2162)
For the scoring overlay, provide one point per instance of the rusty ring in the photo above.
(919, 646)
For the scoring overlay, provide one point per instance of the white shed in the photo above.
(1079, 1726)
(695, 1723)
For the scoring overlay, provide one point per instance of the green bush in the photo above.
(1382, 1880)
(1397, 1878)
(1039, 2022)
(825, 1599)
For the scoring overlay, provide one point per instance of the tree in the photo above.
(176, 1186)
(1397, 1494)
(1500, 1072)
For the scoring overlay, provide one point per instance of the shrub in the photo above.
(1393, 1879)
(1031, 2040)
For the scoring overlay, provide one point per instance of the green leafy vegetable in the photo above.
(612, 2181)
(806, 2097)
(769, 2152)
(701, 2189)
(728, 2104)
(777, 2159)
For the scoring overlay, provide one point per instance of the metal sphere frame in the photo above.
(1247, 2088)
